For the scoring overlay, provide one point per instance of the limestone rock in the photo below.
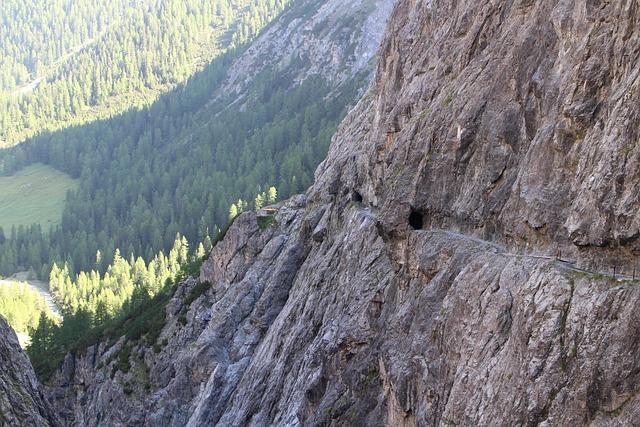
(22, 401)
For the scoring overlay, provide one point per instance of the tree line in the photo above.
(94, 303)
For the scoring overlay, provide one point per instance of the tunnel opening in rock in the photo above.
(356, 197)
(416, 220)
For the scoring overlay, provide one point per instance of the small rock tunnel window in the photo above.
(356, 197)
(416, 220)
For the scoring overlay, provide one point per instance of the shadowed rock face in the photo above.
(21, 399)
(509, 121)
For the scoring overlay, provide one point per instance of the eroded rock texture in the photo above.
(330, 39)
(22, 402)
(503, 129)
(512, 120)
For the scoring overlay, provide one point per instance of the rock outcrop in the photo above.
(331, 39)
(22, 401)
(410, 286)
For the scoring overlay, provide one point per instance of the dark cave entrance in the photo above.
(416, 220)
(356, 197)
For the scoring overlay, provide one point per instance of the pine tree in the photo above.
(272, 195)
(200, 252)
(233, 212)
(259, 202)
(41, 338)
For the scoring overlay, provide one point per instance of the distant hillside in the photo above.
(68, 62)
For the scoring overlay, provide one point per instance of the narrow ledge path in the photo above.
(564, 264)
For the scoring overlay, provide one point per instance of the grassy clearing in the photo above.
(34, 195)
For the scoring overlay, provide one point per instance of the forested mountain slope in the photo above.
(409, 286)
(66, 62)
(260, 115)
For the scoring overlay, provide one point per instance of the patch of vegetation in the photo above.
(123, 364)
(195, 293)
(22, 305)
(617, 411)
(34, 195)
(127, 388)
(597, 277)
(140, 321)
(370, 378)
(627, 149)
(145, 320)
(449, 99)
(443, 311)
(267, 221)
(220, 237)
(339, 408)
(182, 318)
(192, 269)
(563, 363)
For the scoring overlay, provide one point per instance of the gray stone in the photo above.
(22, 401)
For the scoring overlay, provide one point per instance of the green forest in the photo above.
(146, 175)
(95, 305)
(22, 305)
(71, 61)
(178, 164)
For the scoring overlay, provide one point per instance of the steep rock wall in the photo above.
(22, 401)
(511, 120)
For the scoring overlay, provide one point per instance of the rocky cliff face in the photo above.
(334, 40)
(409, 286)
(511, 120)
(22, 401)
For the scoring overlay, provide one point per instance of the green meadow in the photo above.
(35, 194)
